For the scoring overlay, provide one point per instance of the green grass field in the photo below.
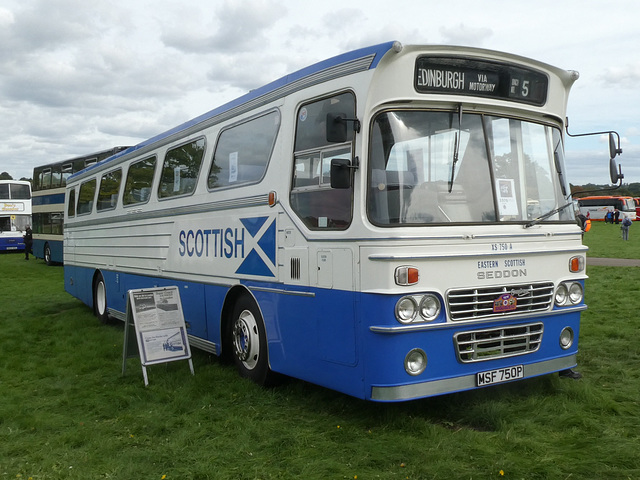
(66, 411)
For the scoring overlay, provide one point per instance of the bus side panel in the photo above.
(54, 245)
(38, 248)
(78, 281)
(191, 296)
(313, 337)
(57, 254)
(214, 297)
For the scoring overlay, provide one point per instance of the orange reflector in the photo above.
(406, 275)
(576, 264)
(273, 198)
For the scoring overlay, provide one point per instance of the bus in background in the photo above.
(49, 182)
(597, 207)
(392, 223)
(15, 213)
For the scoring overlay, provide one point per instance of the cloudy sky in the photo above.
(79, 76)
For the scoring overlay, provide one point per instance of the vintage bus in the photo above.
(49, 182)
(15, 213)
(392, 223)
(597, 207)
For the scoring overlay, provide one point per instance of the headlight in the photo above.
(569, 293)
(429, 307)
(575, 293)
(561, 294)
(406, 309)
(418, 308)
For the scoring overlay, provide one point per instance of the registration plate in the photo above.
(499, 375)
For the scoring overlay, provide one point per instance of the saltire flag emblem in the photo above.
(261, 260)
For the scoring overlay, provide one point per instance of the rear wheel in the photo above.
(47, 254)
(100, 299)
(248, 341)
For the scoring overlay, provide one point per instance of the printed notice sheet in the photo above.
(159, 324)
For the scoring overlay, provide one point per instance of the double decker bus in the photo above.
(392, 223)
(15, 213)
(49, 182)
(597, 207)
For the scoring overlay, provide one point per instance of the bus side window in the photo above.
(137, 188)
(67, 171)
(312, 198)
(243, 151)
(71, 208)
(86, 197)
(181, 168)
(109, 188)
(44, 181)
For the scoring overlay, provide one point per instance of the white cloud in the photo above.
(462, 34)
(78, 76)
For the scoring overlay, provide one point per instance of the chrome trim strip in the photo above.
(281, 291)
(116, 314)
(387, 258)
(202, 344)
(463, 323)
(467, 382)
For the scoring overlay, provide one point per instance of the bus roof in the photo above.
(356, 60)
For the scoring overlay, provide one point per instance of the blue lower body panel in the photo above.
(348, 341)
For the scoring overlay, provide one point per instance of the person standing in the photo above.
(626, 223)
(28, 242)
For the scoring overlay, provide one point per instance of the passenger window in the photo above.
(243, 152)
(318, 205)
(86, 197)
(71, 207)
(109, 189)
(180, 169)
(137, 188)
(67, 171)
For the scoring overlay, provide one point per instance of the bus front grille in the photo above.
(489, 344)
(480, 303)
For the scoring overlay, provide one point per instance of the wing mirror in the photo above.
(615, 171)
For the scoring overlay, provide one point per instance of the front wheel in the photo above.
(248, 341)
(100, 299)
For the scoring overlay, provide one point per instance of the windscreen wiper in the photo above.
(547, 215)
(456, 147)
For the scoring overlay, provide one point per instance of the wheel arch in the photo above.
(226, 316)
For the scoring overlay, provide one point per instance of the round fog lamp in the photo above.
(566, 338)
(415, 362)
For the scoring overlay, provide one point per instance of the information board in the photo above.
(155, 318)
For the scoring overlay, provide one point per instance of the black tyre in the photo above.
(47, 254)
(100, 299)
(248, 341)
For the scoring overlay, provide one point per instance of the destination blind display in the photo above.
(460, 76)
